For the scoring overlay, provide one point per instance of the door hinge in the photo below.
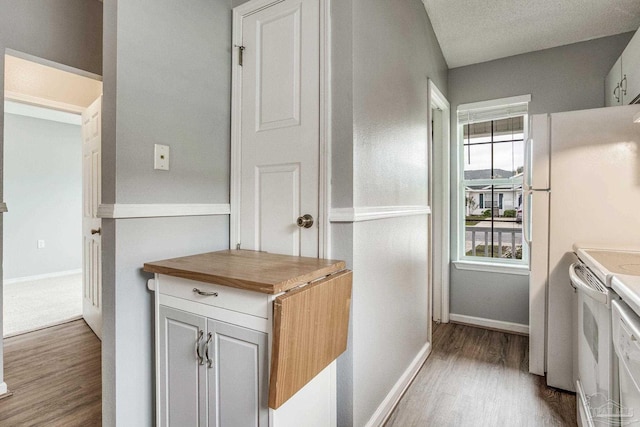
(240, 55)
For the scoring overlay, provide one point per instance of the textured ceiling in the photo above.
(473, 31)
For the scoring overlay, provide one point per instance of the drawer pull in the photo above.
(198, 356)
(205, 294)
(206, 350)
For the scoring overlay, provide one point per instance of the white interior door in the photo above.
(279, 126)
(91, 224)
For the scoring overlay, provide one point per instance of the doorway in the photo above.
(43, 185)
(439, 200)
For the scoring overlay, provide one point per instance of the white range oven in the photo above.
(596, 386)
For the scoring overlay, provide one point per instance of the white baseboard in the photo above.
(389, 403)
(42, 276)
(498, 325)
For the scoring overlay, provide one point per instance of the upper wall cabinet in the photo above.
(612, 91)
(631, 69)
(622, 85)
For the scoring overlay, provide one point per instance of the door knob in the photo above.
(98, 231)
(305, 221)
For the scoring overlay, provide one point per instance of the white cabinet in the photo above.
(211, 373)
(247, 338)
(622, 84)
(612, 91)
(630, 82)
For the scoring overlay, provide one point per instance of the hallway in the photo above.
(476, 377)
(55, 377)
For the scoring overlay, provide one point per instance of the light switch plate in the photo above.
(161, 157)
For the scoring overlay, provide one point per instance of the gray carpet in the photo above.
(40, 303)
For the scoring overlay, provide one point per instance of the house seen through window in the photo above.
(491, 181)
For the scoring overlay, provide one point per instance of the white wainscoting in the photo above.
(370, 213)
(120, 211)
(389, 403)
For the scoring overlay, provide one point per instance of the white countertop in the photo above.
(617, 268)
(608, 263)
(628, 287)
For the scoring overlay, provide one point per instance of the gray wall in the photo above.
(65, 31)
(564, 78)
(495, 296)
(43, 189)
(167, 81)
(560, 79)
(383, 54)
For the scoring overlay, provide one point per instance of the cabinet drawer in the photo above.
(253, 303)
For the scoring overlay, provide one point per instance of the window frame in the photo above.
(501, 108)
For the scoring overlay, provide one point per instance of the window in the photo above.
(492, 137)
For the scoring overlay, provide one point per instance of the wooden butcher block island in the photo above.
(223, 317)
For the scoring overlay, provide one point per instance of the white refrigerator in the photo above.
(582, 185)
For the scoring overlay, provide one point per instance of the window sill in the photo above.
(490, 267)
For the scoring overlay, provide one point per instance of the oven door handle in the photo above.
(580, 285)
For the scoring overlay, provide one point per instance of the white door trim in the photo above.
(440, 188)
(324, 188)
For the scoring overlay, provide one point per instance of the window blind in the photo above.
(493, 110)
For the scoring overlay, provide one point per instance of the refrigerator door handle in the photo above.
(525, 218)
(527, 165)
(527, 168)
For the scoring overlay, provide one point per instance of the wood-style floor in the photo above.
(55, 378)
(475, 377)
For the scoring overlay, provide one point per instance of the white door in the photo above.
(279, 127)
(91, 224)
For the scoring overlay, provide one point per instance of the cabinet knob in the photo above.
(305, 221)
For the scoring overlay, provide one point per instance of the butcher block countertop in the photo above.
(250, 270)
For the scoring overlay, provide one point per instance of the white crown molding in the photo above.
(39, 112)
(497, 325)
(121, 211)
(42, 102)
(370, 213)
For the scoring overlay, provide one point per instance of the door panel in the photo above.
(278, 94)
(237, 380)
(91, 224)
(182, 377)
(279, 122)
(278, 204)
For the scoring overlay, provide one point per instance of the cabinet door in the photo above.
(631, 70)
(238, 376)
(612, 91)
(183, 388)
